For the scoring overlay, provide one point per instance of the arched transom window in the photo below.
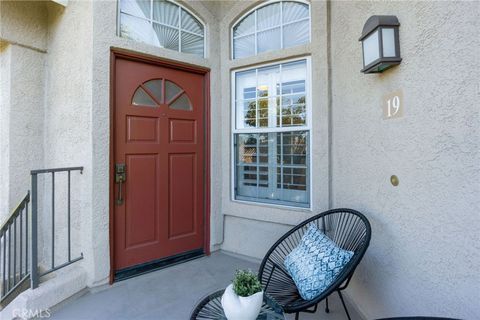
(162, 23)
(271, 26)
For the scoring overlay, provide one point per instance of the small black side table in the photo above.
(211, 308)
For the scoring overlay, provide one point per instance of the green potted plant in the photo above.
(242, 299)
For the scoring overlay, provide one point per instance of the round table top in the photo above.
(211, 308)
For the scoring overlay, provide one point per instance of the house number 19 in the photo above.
(392, 105)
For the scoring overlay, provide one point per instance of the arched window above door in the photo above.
(162, 23)
(271, 26)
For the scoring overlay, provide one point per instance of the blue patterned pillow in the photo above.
(315, 263)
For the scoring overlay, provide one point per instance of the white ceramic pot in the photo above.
(241, 308)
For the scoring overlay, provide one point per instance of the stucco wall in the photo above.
(4, 128)
(424, 255)
(26, 122)
(68, 127)
(24, 23)
(22, 122)
(23, 40)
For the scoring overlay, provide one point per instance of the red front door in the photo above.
(159, 138)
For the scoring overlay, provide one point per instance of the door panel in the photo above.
(182, 131)
(142, 129)
(182, 192)
(159, 136)
(140, 213)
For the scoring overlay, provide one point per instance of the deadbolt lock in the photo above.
(120, 174)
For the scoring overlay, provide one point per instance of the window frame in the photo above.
(180, 30)
(253, 10)
(306, 127)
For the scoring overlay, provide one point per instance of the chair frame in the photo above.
(267, 274)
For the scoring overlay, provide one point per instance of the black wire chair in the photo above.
(348, 228)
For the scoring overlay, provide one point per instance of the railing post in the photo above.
(34, 242)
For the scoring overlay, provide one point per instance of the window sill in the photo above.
(279, 214)
(274, 206)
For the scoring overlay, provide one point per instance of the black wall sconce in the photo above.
(380, 44)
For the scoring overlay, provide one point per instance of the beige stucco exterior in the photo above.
(424, 230)
(23, 60)
(424, 253)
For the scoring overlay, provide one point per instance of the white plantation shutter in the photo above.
(271, 134)
(273, 26)
(166, 13)
(162, 23)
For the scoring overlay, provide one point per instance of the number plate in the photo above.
(392, 105)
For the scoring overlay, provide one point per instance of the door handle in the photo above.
(120, 178)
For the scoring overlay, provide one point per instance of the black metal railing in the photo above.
(14, 244)
(35, 274)
(19, 238)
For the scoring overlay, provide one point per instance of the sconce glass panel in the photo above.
(388, 42)
(370, 48)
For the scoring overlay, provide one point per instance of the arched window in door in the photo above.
(155, 92)
(163, 24)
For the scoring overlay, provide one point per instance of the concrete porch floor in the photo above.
(171, 293)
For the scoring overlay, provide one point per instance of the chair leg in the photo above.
(297, 315)
(344, 306)
(327, 310)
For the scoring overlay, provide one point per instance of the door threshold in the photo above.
(155, 265)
